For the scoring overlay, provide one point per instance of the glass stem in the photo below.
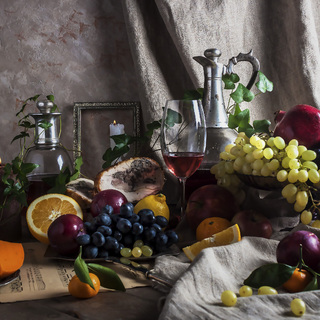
(183, 196)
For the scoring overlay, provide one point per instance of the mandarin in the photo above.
(211, 226)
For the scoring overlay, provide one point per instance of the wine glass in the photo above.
(183, 140)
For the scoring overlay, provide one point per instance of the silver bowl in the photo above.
(260, 182)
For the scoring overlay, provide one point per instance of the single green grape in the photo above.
(245, 291)
(285, 162)
(292, 151)
(314, 176)
(298, 307)
(316, 224)
(293, 175)
(298, 207)
(293, 142)
(249, 157)
(136, 252)
(289, 190)
(267, 290)
(302, 198)
(303, 175)
(228, 298)
(310, 165)
(228, 166)
(257, 164)
(125, 252)
(125, 261)
(253, 140)
(265, 171)
(257, 154)
(294, 164)
(273, 165)
(282, 175)
(248, 148)
(306, 217)
(138, 243)
(270, 142)
(308, 155)
(228, 147)
(279, 143)
(268, 153)
(260, 144)
(301, 150)
(147, 251)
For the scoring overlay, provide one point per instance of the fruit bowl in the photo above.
(260, 182)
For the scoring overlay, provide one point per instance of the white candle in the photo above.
(115, 129)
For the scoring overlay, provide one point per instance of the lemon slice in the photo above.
(227, 236)
(45, 209)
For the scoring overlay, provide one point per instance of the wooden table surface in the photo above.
(135, 304)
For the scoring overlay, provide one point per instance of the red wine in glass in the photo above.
(183, 164)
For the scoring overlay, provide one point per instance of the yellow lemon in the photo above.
(45, 209)
(155, 202)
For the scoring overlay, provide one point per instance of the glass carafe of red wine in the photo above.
(183, 139)
(218, 132)
(47, 151)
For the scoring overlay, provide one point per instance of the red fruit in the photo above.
(302, 122)
(288, 250)
(112, 197)
(253, 223)
(210, 201)
(63, 232)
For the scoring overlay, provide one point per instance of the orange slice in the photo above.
(225, 237)
(45, 209)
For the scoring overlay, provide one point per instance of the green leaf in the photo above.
(172, 118)
(22, 135)
(230, 80)
(108, 278)
(122, 140)
(193, 94)
(273, 275)
(249, 132)
(77, 166)
(58, 182)
(151, 127)
(264, 84)
(82, 271)
(45, 125)
(262, 126)
(242, 94)
(113, 154)
(50, 97)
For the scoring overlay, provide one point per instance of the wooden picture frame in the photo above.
(91, 133)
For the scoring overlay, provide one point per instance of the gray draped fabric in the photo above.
(164, 35)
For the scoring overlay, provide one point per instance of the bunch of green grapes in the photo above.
(267, 156)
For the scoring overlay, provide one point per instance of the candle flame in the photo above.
(114, 122)
(0, 161)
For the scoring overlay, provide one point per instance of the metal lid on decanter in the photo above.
(46, 136)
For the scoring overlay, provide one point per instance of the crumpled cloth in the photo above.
(197, 286)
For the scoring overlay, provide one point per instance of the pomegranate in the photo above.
(302, 122)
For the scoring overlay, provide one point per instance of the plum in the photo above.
(63, 233)
(288, 249)
(111, 197)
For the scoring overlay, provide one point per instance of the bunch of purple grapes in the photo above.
(108, 233)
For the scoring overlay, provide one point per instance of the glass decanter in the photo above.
(47, 151)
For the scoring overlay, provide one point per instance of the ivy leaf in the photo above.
(20, 136)
(77, 166)
(239, 119)
(264, 84)
(173, 117)
(249, 132)
(312, 285)
(34, 98)
(82, 271)
(242, 94)
(113, 154)
(58, 183)
(45, 125)
(193, 94)
(262, 126)
(230, 80)
(122, 140)
(108, 278)
(151, 127)
(273, 275)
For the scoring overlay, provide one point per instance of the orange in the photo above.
(225, 237)
(211, 226)
(298, 281)
(45, 209)
(155, 202)
(82, 290)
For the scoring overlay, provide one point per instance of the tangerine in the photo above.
(82, 290)
(298, 281)
(211, 226)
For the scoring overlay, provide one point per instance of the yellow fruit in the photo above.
(210, 226)
(155, 202)
(45, 209)
(225, 237)
(82, 290)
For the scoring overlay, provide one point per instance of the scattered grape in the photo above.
(298, 307)
(245, 291)
(267, 290)
(306, 217)
(228, 298)
(316, 224)
(136, 252)
(126, 252)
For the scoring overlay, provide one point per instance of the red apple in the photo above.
(210, 201)
(63, 232)
(253, 223)
(288, 250)
(111, 197)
